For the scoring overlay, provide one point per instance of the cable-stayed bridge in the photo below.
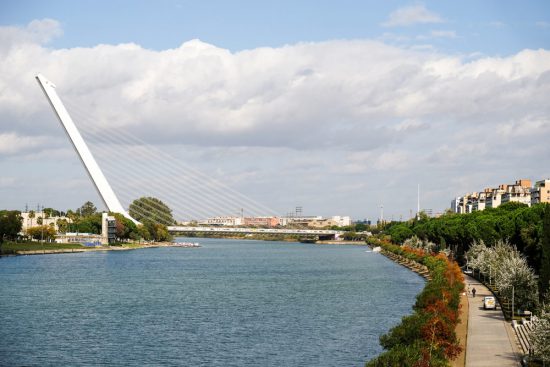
(137, 169)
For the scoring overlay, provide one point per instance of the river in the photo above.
(228, 303)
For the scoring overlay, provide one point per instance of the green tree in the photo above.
(544, 278)
(39, 221)
(89, 224)
(87, 209)
(50, 212)
(400, 233)
(152, 209)
(10, 224)
(125, 228)
(31, 216)
(62, 225)
(540, 334)
(46, 233)
(155, 231)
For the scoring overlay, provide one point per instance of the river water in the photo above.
(228, 303)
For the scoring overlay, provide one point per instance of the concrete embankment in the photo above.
(418, 268)
(357, 243)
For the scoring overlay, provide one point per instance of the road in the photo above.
(491, 341)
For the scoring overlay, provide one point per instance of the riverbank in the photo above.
(16, 249)
(356, 243)
(429, 335)
(461, 328)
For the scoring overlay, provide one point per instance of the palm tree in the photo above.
(31, 216)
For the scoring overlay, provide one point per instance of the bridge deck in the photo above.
(254, 230)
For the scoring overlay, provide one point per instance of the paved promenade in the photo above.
(490, 340)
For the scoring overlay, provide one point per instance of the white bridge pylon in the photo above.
(98, 178)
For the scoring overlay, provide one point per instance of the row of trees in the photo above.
(153, 214)
(507, 268)
(427, 337)
(527, 228)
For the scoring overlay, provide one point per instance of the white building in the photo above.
(342, 221)
(46, 221)
(541, 192)
(222, 221)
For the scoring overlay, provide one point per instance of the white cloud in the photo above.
(12, 143)
(37, 31)
(497, 24)
(409, 15)
(307, 117)
(8, 182)
(443, 34)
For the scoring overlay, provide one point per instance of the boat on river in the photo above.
(186, 244)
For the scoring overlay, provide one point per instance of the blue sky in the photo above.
(337, 107)
(491, 27)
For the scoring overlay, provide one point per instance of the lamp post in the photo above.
(42, 228)
(512, 303)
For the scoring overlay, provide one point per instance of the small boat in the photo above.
(186, 244)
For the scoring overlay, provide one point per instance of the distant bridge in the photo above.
(322, 233)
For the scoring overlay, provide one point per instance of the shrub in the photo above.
(427, 337)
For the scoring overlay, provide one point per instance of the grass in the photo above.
(13, 247)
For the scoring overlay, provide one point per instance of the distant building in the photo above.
(541, 192)
(108, 229)
(341, 221)
(33, 222)
(301, 220)
(82, 238)
(222, 221)
(107, 236)
(482, 202)
(455, 204)
(495, 198)
(261, 221)
(520, 192)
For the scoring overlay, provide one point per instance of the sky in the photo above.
(216, 106)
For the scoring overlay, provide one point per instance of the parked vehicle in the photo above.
(489, 303)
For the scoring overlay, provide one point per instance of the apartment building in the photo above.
(541, 192)
(261, 221)
(519, 192)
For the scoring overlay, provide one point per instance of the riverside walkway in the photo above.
(490, 339)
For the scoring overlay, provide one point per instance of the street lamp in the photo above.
(512, 303)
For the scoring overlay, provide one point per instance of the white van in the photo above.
(489, 303)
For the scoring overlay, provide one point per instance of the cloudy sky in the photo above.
(214, 106)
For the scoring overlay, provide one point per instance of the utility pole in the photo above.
(381, 213)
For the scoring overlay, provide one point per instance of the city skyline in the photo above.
(339, 112)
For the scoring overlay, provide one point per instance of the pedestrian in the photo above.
(474, 292)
